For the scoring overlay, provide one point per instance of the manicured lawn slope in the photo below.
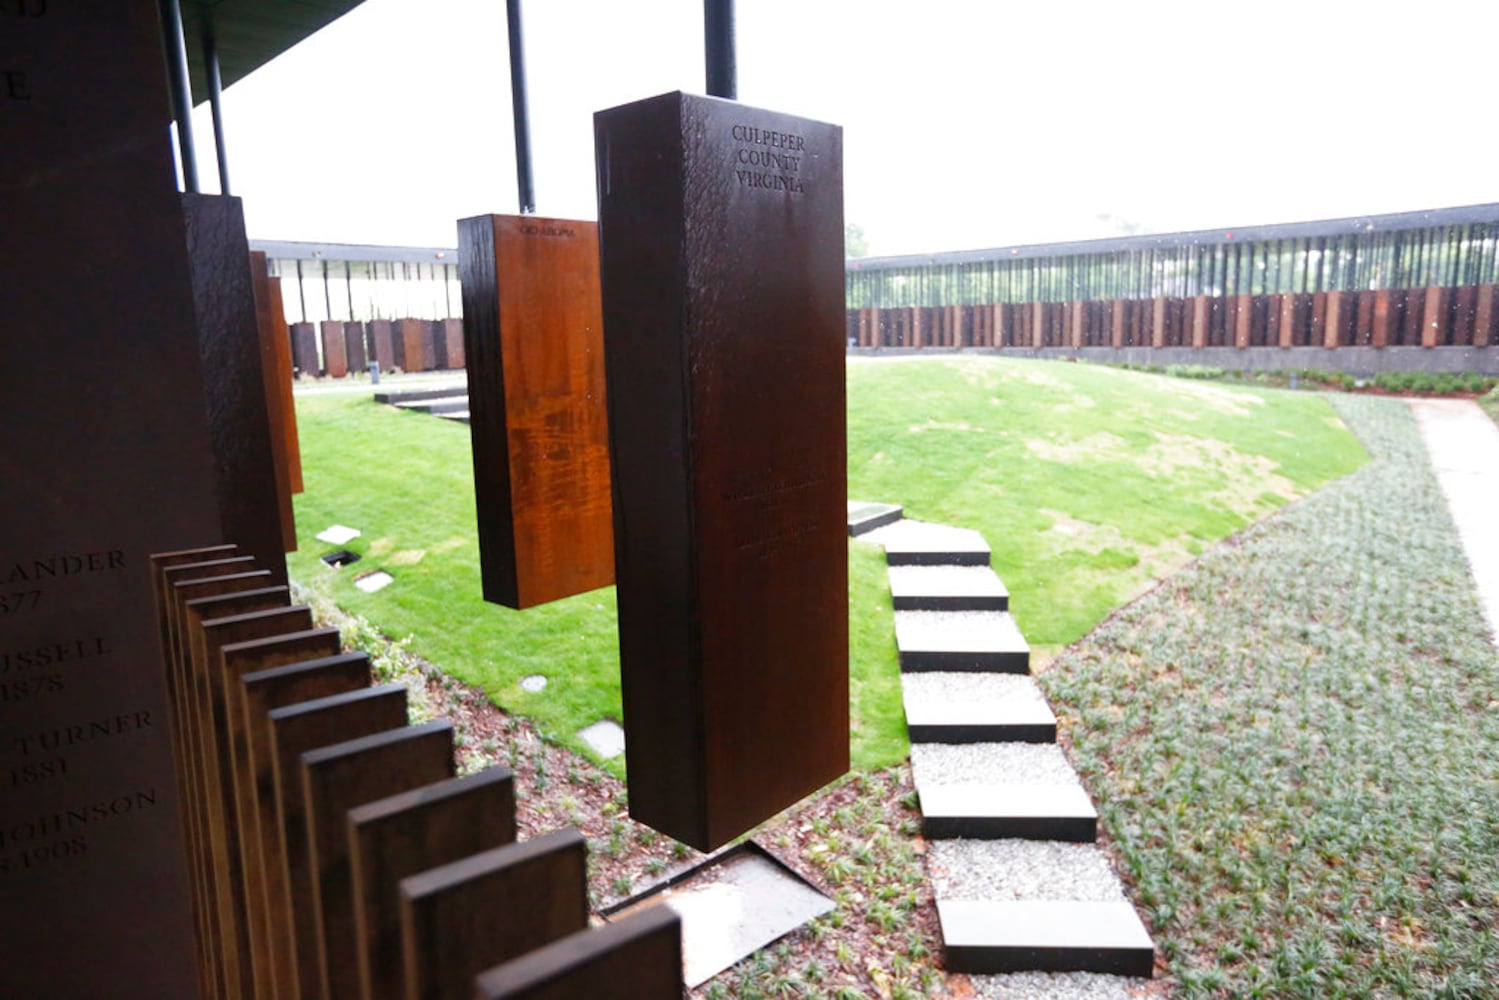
(1089, 483)
(1293, 745)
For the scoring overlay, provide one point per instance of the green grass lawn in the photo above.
(1089, 483)
(1294, 745)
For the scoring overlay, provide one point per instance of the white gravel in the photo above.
(1021, 870)
(939, 687)
(990, 764)
(1055, 986)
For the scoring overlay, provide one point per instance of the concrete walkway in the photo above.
(1464, 447)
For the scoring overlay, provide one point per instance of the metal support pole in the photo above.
(518, 103)
(182, 98)
(215, 96)
(718, 47)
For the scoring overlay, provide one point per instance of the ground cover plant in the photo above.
(1089, 483)
(1414, 383)
(1490, 404)
(1293, 745)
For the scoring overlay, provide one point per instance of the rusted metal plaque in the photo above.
(533, 347)
(721, 232)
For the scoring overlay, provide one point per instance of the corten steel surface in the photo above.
(462, 918)
(721, 230)
(304, 350)
(273, 374)
(297, 729)
(405, 835)
(354, 347)
(335, 350)
(411, 350)
(261, 693)
(339, 778)
(229, 342)
(238, 661)
(108, 453)
(533, 346)
(284, 377)
(636, 958)
(382, 343)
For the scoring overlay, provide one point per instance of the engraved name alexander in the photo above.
(768, 159)
(21, 582)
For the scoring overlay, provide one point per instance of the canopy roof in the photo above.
(250, 33)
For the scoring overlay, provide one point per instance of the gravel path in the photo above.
(990, 764)
(1021, 869)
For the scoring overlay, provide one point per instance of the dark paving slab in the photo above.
(437, 404)
(919, 543)
(947, 588)
(864, 517)
(1024, 811)
(961, 640)
(396, 396)
(986, 936)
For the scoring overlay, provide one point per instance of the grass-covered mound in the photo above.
(1089, 483)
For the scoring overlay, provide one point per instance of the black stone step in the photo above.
(438, 404)
(1012, 721)
(395, 397)
(961, 641)
(865, 517)
(917, 543)
(992, 936)
(1023, 811)
(947, 588)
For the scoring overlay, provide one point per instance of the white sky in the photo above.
(966, 123)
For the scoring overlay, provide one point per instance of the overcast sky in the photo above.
(966, 123)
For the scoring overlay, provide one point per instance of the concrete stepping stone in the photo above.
(459, 417)
(944, 707)
(393, 397)
(1024, 811)
(440, 404)
(1021, 869)
(865, 516)
(947, 588)
(919, 543)
(986, 936)
(961, 640)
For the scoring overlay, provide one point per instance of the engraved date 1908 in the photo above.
(17, 601)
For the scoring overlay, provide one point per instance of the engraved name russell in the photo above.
(773, 167)
(21, 675)
(28, 838)
(51, 567)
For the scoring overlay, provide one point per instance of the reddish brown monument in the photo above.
(533, 346)
(721, 230)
